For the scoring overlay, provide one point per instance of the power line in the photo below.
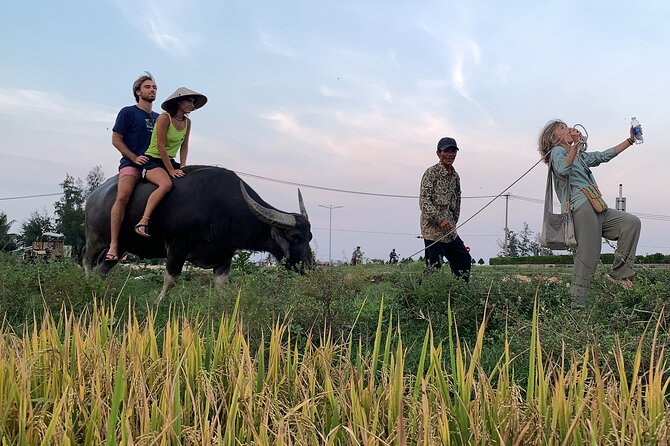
(657, 217)
(642, 215)
(652, 216)
(528, 199)
(412, 234)
(416, 197)
(30, 196)
(345, 191)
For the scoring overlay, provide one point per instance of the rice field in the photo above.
(90, 380)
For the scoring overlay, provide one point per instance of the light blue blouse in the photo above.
(580, 174)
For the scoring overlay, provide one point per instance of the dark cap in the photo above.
(446, 143)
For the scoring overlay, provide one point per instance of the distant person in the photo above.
(170, 136)
(440, 204)
(559, 145)
(393, 257)
(131, 135)
(357, 256)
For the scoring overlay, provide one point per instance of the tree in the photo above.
(69, 210)
(33, 228)
(542, 250)
(512, 245)
(7, 240)
(524, 244)
(528, 245)
(94, 179)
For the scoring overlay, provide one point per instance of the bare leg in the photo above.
(160, 178)
(124, 191)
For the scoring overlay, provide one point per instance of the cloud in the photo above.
(162, 23)
(288, 124)
(328, 92)
(461, 53)
(362, 134)
(504, 71)
(56, 106)
(269, 43)
(461, 50)
(465, 51)
(393, 59)
(475, 50)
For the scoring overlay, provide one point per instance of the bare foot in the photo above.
(111, 258)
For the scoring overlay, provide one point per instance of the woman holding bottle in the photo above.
(560, 146)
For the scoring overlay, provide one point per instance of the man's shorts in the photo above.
(131, 171)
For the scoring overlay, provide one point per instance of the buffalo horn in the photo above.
(303, 211)
(270, 216)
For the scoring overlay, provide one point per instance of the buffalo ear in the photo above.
(278, 236)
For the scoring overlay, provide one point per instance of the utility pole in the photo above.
(621, 200)
(330, 208)
(506, 242)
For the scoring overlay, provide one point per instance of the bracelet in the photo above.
(631, 141)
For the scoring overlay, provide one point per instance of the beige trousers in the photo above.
(590, 228)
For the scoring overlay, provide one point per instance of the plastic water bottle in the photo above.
(637, 130)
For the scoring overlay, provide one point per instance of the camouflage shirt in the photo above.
(439, 199)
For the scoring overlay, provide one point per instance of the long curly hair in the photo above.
(546, 141)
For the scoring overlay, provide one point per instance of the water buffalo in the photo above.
(208, 215)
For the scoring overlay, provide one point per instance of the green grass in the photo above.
(346, 300)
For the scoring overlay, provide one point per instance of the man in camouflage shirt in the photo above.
(440, 203)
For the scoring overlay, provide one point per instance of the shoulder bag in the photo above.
(558, 230)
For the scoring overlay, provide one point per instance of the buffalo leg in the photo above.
(92, 251)
(221, 274)
(173, 267)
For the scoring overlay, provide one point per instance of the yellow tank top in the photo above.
(175, 139)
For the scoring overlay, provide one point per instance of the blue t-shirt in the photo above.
(136, 126)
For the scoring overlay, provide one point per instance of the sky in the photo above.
(348, 95)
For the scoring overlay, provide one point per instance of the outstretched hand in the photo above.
(177, 173)
(632, 132)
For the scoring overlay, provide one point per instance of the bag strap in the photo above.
(549, 195)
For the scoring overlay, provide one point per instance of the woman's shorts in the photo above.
(157, 162)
